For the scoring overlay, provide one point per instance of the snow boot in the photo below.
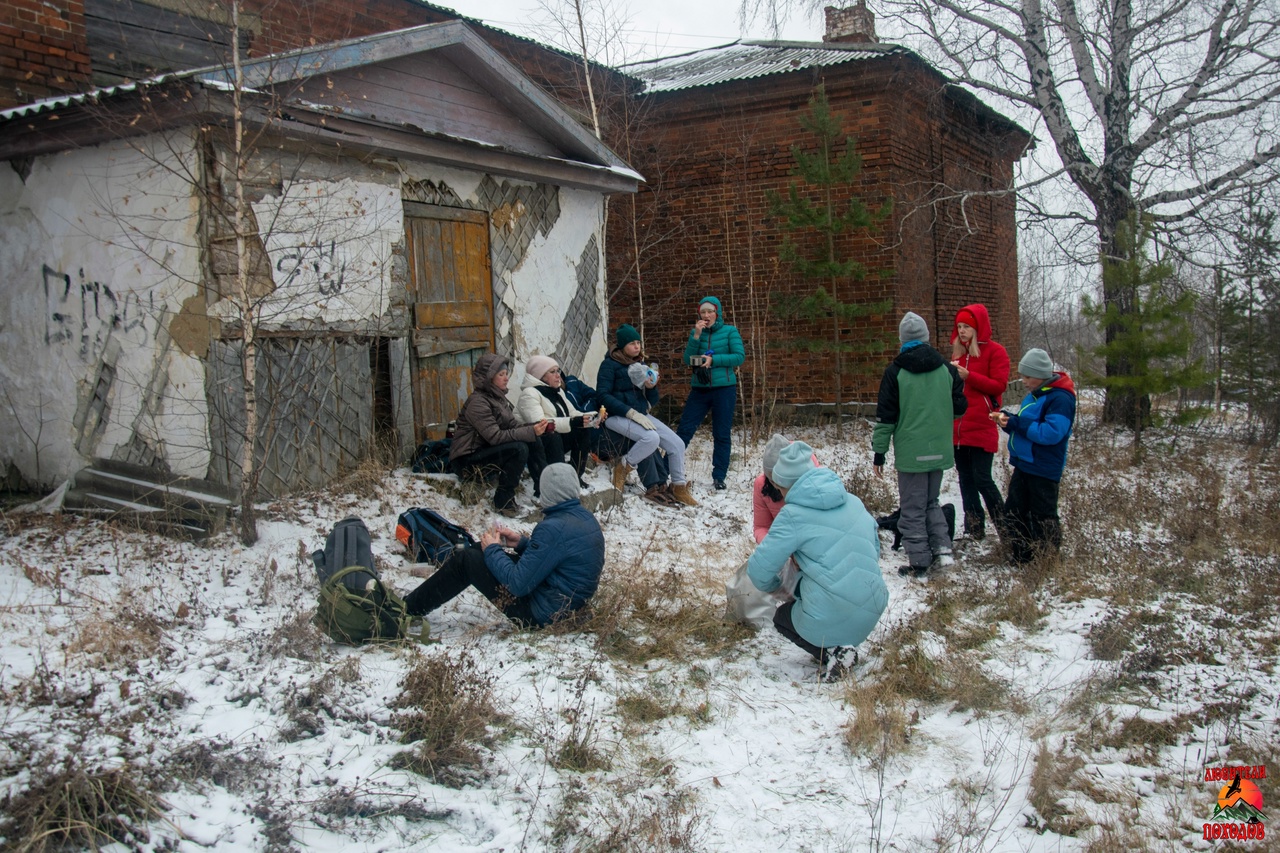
(621, 470)
(680, 491)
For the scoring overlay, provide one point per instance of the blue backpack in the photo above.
(429, 537)
(432, 457)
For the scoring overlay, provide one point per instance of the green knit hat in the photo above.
(626, 334)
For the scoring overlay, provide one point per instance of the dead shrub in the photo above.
(651, 823)
(1019, 607)
(1050, 777)
(445, 708)
(345, 803)
(1111, 637)
(68, 804)
(224, 763)
(297, 636)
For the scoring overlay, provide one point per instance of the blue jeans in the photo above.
(721, 403)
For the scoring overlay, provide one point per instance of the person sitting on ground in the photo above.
(628, 389)
(489, 437)
(542, 397)
(553, 573)
(1038, 436)
(840, 594)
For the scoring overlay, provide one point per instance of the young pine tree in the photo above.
(1152, 335)
(824, 208)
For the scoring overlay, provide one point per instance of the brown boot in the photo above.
(620, 472)
(681, 493)
(658, 496)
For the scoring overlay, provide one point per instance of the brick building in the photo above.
(714, 135)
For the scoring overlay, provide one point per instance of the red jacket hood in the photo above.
(979, 312)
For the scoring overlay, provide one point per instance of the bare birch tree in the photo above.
(1165, 109)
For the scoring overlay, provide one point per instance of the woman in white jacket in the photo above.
(542, 397)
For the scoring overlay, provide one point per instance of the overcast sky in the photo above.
(656, 28)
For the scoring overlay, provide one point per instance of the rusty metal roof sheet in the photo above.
(744, 60)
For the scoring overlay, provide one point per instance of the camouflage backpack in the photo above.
(355, 606)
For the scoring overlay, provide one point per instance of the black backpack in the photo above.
(432, 457)
(890, 522)
(429, 537)
(355, 607)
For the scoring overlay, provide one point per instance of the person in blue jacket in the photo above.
(841, 594)
(1038, 436)
(554, 572)
(715, 352)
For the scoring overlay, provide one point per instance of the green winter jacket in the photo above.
(921, 395)
(725, 344)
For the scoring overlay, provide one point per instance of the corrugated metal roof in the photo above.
(744, 60)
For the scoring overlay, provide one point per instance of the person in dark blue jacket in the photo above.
(554, 572)
(1038, 436)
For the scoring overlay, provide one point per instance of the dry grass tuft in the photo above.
(69, 805)
(880, 726)
(298, 637)
(127, 636)
(226, 764)
(642, 708)
(446, 706)
(1052, 775)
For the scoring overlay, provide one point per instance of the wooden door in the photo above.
(452, 305)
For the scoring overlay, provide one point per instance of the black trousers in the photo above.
(973, 466)
(1031, 525)
(551, 447)
(507, 461)
(782, 621)
(463, 568)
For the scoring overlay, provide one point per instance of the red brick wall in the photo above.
(42, 50)
(711, 154)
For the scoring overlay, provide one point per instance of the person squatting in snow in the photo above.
(921, 394)
(628, 388)
(553, 573)
(1038, 436)
(840, 594)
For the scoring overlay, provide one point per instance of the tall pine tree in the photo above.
(819, 209)
(1252, 362)
(1153, 336)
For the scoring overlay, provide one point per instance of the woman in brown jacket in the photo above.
(489, 436)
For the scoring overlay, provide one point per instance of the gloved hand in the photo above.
(577, 422)
(634, 415)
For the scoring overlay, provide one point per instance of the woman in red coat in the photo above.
(984, 366)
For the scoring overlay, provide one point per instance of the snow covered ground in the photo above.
(985, 714)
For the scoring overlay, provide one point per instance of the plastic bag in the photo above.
(747, 604)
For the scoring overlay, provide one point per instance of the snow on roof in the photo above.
(744, 60)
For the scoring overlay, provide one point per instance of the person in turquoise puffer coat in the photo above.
(841, 593)
(715, 352)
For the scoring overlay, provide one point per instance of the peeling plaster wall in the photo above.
(538, 277)
(329, 247)
(97, 253)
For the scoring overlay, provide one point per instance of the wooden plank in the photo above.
(436, 315)
(452, 214)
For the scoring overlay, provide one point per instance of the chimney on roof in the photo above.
(854, 24)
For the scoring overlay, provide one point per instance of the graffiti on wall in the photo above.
(90, 312)
(316, 261)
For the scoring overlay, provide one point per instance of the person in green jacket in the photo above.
(921, 395)
(715, 352)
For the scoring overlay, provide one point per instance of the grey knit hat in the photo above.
(913, 328)
(558, 483)
(795, 460)
(1036, 364)
(771, 451)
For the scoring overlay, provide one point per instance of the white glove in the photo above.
(640, 419)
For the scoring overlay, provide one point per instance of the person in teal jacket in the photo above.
(841, 594)
(715, 353)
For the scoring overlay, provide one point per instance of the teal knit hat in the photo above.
(626, 334)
